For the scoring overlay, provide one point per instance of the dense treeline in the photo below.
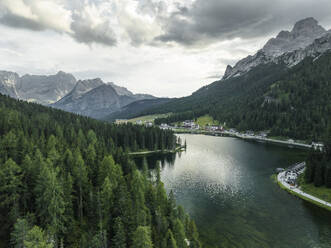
(66, 181)
(318, 167)
(289, 102)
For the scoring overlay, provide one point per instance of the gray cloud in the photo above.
(214, 20)
(84, 22)
(85, 32)
(16, 21)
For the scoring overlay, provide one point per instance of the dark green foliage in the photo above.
(20, 232)
(170, 240)
(142, 238)
(318, 167)
(291, 102)
(67, 181)
(119, 239)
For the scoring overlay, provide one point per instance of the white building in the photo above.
(149, 124)
(164, 126)
(189, 124)
(317, 146)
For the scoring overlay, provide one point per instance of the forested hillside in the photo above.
(290, 102)
(67, 181)
(318, 169)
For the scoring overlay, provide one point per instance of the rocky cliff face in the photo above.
(289, 47)
(97, 99)
(41, 89)
(96, 103)
(45, 89)
(91, 97)
(8, 82)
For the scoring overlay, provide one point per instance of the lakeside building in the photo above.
(250, 133)
(165, 126)
(121, 121)
(263, 134)
(317, 146)
(214, 128)
(148, 124)
(291, 177)
(292, 173)
(190, 124)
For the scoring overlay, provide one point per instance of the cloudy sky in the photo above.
(162, 47)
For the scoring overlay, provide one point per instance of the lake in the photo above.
(225, 185)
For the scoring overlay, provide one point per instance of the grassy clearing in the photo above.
(206, 120)
(319, 192)
(279, 138)
(274, 178)
(148, 118)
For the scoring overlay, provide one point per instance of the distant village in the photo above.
(192, 126)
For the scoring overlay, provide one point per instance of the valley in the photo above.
(86, 162)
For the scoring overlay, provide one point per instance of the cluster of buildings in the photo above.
(291, 174)
(165, 126)
(259, 135)
(317, 146)
(146, 123)
(190, 124)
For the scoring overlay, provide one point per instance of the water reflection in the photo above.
(225, 185)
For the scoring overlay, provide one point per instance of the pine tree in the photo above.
(193, 235)
(328, 176)
(318, 177)
(106, 203)
(119, 239)
(81, 180)
(142, 238)
(36, 238)
(10, 187)
(170, 240)
(50, 200)
(20, 232)
(179, 234)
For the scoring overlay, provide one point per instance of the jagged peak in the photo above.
(284, 34)
(63, 73)
(309, 23)
(228, 71)
(302, 35)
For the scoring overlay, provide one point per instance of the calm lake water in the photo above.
(225, 186)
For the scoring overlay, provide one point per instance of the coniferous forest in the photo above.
(318, 169)
(291, 102)
(67, 181)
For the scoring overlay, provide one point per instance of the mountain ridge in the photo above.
(63, 91)
(303, 34)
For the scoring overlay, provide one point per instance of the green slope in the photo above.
(290, 102)
(67, 181)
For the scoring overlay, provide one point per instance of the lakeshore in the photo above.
(177, 149)
(301, 194)
(244, 137)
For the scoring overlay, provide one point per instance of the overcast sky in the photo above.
(163, 47)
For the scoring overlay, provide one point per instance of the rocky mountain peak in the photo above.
(307, 27)
(228, 71)
(122, 91)
(302, 35)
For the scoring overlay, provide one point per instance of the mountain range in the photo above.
(283, 88)
(288, 79)
(92, 97)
